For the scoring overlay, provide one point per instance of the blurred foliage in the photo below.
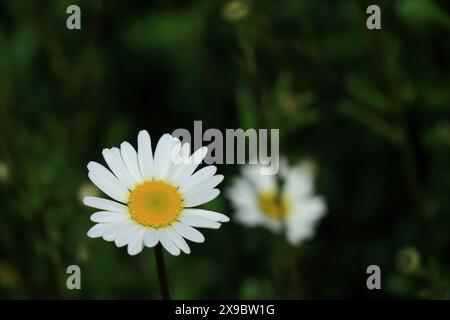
(371, 108)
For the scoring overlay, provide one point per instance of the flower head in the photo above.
(154, 195)
(278, 202)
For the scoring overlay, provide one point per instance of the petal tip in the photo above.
(86, 200)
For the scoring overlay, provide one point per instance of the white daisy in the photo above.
(154, 195)
(283, 202)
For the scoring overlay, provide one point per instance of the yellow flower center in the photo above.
(274, 205)
(155, 204)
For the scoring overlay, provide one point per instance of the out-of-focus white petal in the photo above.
(242, 194)
(259, 182)
(299, 181)
(249, 216)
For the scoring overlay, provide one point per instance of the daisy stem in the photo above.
(164, 287)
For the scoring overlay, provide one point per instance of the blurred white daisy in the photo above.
(154, 195)
(283, 202)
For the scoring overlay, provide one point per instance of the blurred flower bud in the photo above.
(408, 260)
(289, 103)
(82, 253)
(87, 189)
(235, 10)
(4, 172)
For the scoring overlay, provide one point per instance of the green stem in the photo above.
(165, 294)
(251, 69)
(411, 167)
(294, 272)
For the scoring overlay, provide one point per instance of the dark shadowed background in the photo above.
(371, 108)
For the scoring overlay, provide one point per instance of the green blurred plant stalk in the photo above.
(162, 275)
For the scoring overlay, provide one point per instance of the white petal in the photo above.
(203, 187)
(296, 235)
(100, 169)
(167, 243)
(201, 198)
(192, 163)
(299, 180)
(188, 232)
(124, 237)
(112, 190)
(306, 209)
(175, 159)
(109, 234)
(162, 159)
(108, 216)
(145, 155)
(241, 193)
(199, 222)
(115, 162)
(105, 204)
(314, 207)
(112, 233)
(136, 244)
(259, 181)
(198, 177)
(211, 215)
(151, 238)
(249, 217)
(178, 240)
(97, 230)
(129, 156)
(178, 166)
(274, 225)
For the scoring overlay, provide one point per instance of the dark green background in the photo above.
(371, 108)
